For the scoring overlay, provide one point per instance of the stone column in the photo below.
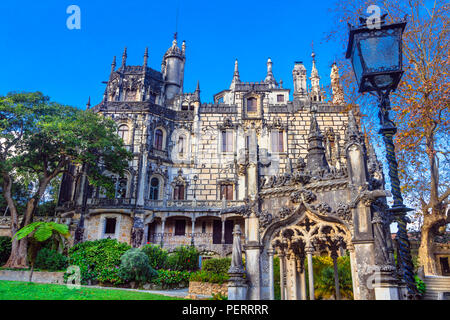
(282, 263)
(193, 229)
(223, 231)
(334, 256)
(355, 282)
(271, 282)
(309, 252)
(293, 282)
(163, 224)
(303, 282)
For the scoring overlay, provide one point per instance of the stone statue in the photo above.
(236, 256)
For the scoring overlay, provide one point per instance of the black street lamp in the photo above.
(376, 55)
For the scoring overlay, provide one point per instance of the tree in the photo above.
(40, 140)
(420, 107)
(37, 233)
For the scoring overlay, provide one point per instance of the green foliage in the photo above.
(219, 296)
(50, 260)
(276, 278)
(42, 231)
(170, 278)
(217, 265)
(183, 258)
(134, 266)
(156, 255)
(5, 249)
(98, 260)
(421, 286)
(208, 276)
(324, 277)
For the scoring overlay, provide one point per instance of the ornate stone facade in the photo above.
(295, 175)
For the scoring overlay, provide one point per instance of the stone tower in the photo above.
(172, 69)
(299, 76)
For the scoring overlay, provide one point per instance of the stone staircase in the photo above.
(436, 285)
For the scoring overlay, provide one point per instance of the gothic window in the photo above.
(227, 141)
(123, 133)
(178, 192)
(181, 140)
(180, 227)
(280, 98)
(154, 189)
(159, 139)
(277, 141)
(184, 107)
(247, 142)
(251, 105)
(191, 107)
(226, 192)
(110, 225)
(121, 188)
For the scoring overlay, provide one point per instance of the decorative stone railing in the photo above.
(192, 203)
(111, 202)
(6, 220)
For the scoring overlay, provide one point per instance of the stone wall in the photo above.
(208, 289)
(38, 276)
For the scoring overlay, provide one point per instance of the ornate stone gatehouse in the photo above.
(317, 207)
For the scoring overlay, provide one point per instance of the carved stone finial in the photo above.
(315, 159)
(236, 257)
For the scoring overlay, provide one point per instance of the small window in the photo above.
(121, 190)
(184, 107)
(227, 141)
(181, 144)
(204, 227)
(159, 139)
(251, 105)
(110, 225)
(277, 141)
(226, 192)
(280, 98)
(178, 192)
(123, 133)
(180, 227)
(154, 189)
(220, 100)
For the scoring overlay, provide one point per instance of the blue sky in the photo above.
(40, 53)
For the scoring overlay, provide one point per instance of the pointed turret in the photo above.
(145, 59)
(270, 79)
(124, 58)
(172, 68)
(316, 93)
(315, 159)
(299, 76)
(338, 94)
(352, 134)
(113, 65)
(88, 104)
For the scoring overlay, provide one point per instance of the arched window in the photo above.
(251, 105)
(178, 192)
(154, 189)
(159, 139)
(121, 188)
(180, 143)
(123, 133)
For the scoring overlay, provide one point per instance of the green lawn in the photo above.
(17, 290)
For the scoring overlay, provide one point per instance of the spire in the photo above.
(338, 94)
(197, 89)
(113, 64)
(352, 134)
(236, 78)
(315, 159)
(145, 58)
(269, 77)
(88, 104)
(124, 57)
(183, 47)
(316, 92)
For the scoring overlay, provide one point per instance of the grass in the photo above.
(17, 290)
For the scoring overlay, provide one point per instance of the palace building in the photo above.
(190, 157)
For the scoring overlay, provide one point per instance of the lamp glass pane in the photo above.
(380, 53)
(357, 66)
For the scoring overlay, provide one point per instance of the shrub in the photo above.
(217, 265)
(50, 260)
(98, 260)
(276, 278)
(421, 286)
(170, 278)
(134, 266)
(156, 255)
(5, 249)
(183, 258)
(218, 296)
(208, 276)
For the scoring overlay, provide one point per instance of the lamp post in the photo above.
(376, 55)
